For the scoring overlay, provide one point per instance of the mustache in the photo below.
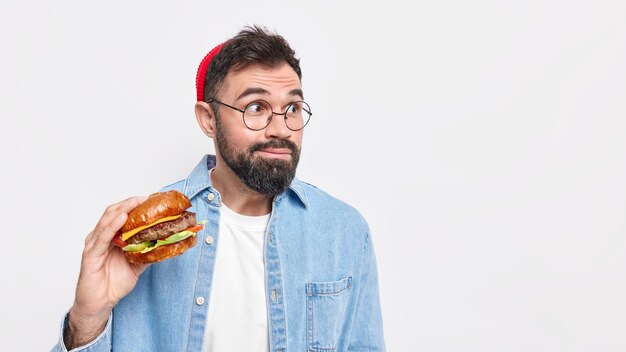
(275, 143)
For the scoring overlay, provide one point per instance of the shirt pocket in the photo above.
(326, 309)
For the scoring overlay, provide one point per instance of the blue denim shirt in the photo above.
(320, 277)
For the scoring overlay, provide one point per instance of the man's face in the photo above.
(264, 160)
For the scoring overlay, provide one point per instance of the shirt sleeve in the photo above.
(367, 333)
(100, 343)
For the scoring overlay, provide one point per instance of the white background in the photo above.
(483, 140)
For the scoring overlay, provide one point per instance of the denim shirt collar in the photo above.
(199, 180)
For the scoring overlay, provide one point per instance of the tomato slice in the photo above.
(117, 240)
(195, 228)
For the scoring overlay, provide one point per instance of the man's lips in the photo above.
(278, 153)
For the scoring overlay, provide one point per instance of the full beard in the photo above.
(269, 177)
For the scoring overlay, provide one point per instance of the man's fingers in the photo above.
(114, 210)
(129, 204)
(124, 206)
(111, 221)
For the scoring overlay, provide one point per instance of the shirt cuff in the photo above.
(101, 343)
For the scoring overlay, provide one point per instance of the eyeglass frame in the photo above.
(284, 114)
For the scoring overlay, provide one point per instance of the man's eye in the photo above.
(255, 108)
(294, 109)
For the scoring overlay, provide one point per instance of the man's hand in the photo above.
(105, 276)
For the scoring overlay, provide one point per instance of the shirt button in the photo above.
(211, 196)
(275, 295)
(200, 301)
(209, 240)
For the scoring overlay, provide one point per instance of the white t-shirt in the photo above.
(237, 318)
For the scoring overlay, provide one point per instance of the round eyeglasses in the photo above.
(258, 114)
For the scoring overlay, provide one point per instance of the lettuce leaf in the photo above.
(145, 247)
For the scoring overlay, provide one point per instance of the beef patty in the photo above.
(164, 229)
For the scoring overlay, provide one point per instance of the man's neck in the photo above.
(236, 195)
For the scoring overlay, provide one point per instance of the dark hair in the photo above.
(252, 45)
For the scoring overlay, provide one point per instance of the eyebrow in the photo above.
(255, 90)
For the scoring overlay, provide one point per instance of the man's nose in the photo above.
(277, 127)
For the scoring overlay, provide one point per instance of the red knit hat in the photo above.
(201, 75)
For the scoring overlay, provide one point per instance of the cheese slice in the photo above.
(131, 233)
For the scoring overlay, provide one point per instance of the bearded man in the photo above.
(279, 266)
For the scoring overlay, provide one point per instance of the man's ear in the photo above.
(206, 118)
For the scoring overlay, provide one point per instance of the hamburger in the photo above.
(159, 228)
